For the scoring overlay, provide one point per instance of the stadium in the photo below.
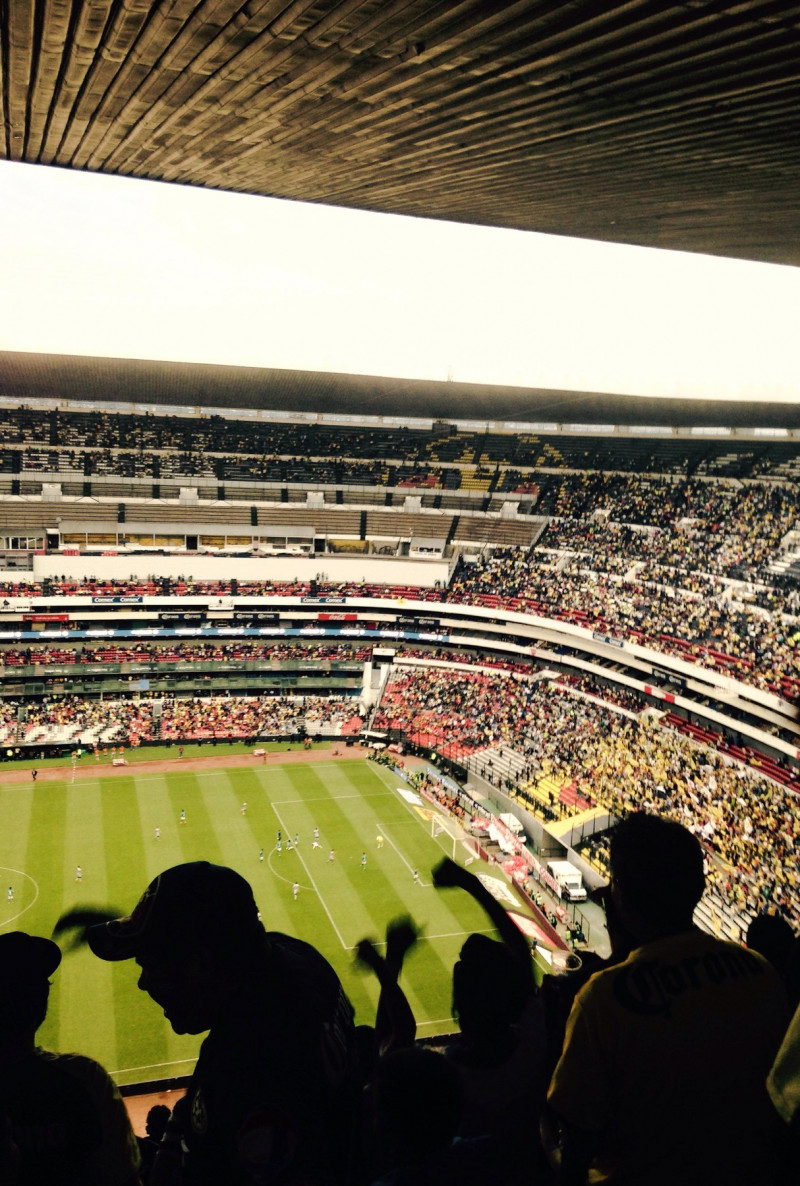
(326, 628)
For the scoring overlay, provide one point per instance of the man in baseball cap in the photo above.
(269, 1097)
(67, 1120)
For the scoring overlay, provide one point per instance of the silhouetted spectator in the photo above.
(155, 1127)
(772, 936)
(395, 1026)
(783, 1085)
(67, 1123)
(269, 1100)
(416, 1104)
(500, 1052)
(663, 1074)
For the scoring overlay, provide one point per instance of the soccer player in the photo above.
(415, 876)
(363, 860)
(183, 816)
(78, 873)
(295, 889)
(10, 894)
(380, 841)
(296, 839)
(278, 846)
(261, 854)
(316, 843)
(332, 856)
(158, 833)
(244, 809)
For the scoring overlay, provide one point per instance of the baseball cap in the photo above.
(27, 957)
(188, 904)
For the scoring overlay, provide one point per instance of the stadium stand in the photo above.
(605, 642)
(668, 551)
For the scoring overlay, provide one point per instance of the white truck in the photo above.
(570, 882)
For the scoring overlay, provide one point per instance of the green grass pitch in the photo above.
(107, 826)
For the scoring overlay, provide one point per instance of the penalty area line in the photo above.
(423, 938)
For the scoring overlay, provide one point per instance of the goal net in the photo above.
(449, 835)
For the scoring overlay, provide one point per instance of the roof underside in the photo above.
(27, 377)
(666, 125)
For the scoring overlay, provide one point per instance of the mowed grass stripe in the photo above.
(26, 866)
(296, 799)
(16, 812)
(314, 797)
(159, 800)
(127, 874)
(84, 844)
(34, 843)
(241, 837)
(282, 792)
(340, 800)
(353, 805)
(113, 826)
(198, 838)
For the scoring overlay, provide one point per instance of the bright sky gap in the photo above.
(118, 267)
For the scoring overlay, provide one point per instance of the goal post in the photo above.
(448, 835)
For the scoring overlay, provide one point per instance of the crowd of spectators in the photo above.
(71, 720)
(254, 716)
(74, 721)
(718, 632)
(170, 447)
(475, 657)
(741, 816)
(242, 467)
(471, 710)
(198, 435)
(755, 648)
(691, 615)
(749, 823)
(649, 560)
(695, 527)
(240, 651)
(244, 434)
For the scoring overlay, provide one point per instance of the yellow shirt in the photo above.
(665, 1059)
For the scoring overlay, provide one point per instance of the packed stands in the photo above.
(74, 721)
(669, 544)
(584, 753)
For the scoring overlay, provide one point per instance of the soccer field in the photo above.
(107, 825)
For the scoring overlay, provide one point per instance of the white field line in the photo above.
(423, 938)
(328, 798)
(310, 876)
(412, 811)
(386, 836)
(178, 1062)
(25, 909)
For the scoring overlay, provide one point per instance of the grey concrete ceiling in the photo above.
(669, 125)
